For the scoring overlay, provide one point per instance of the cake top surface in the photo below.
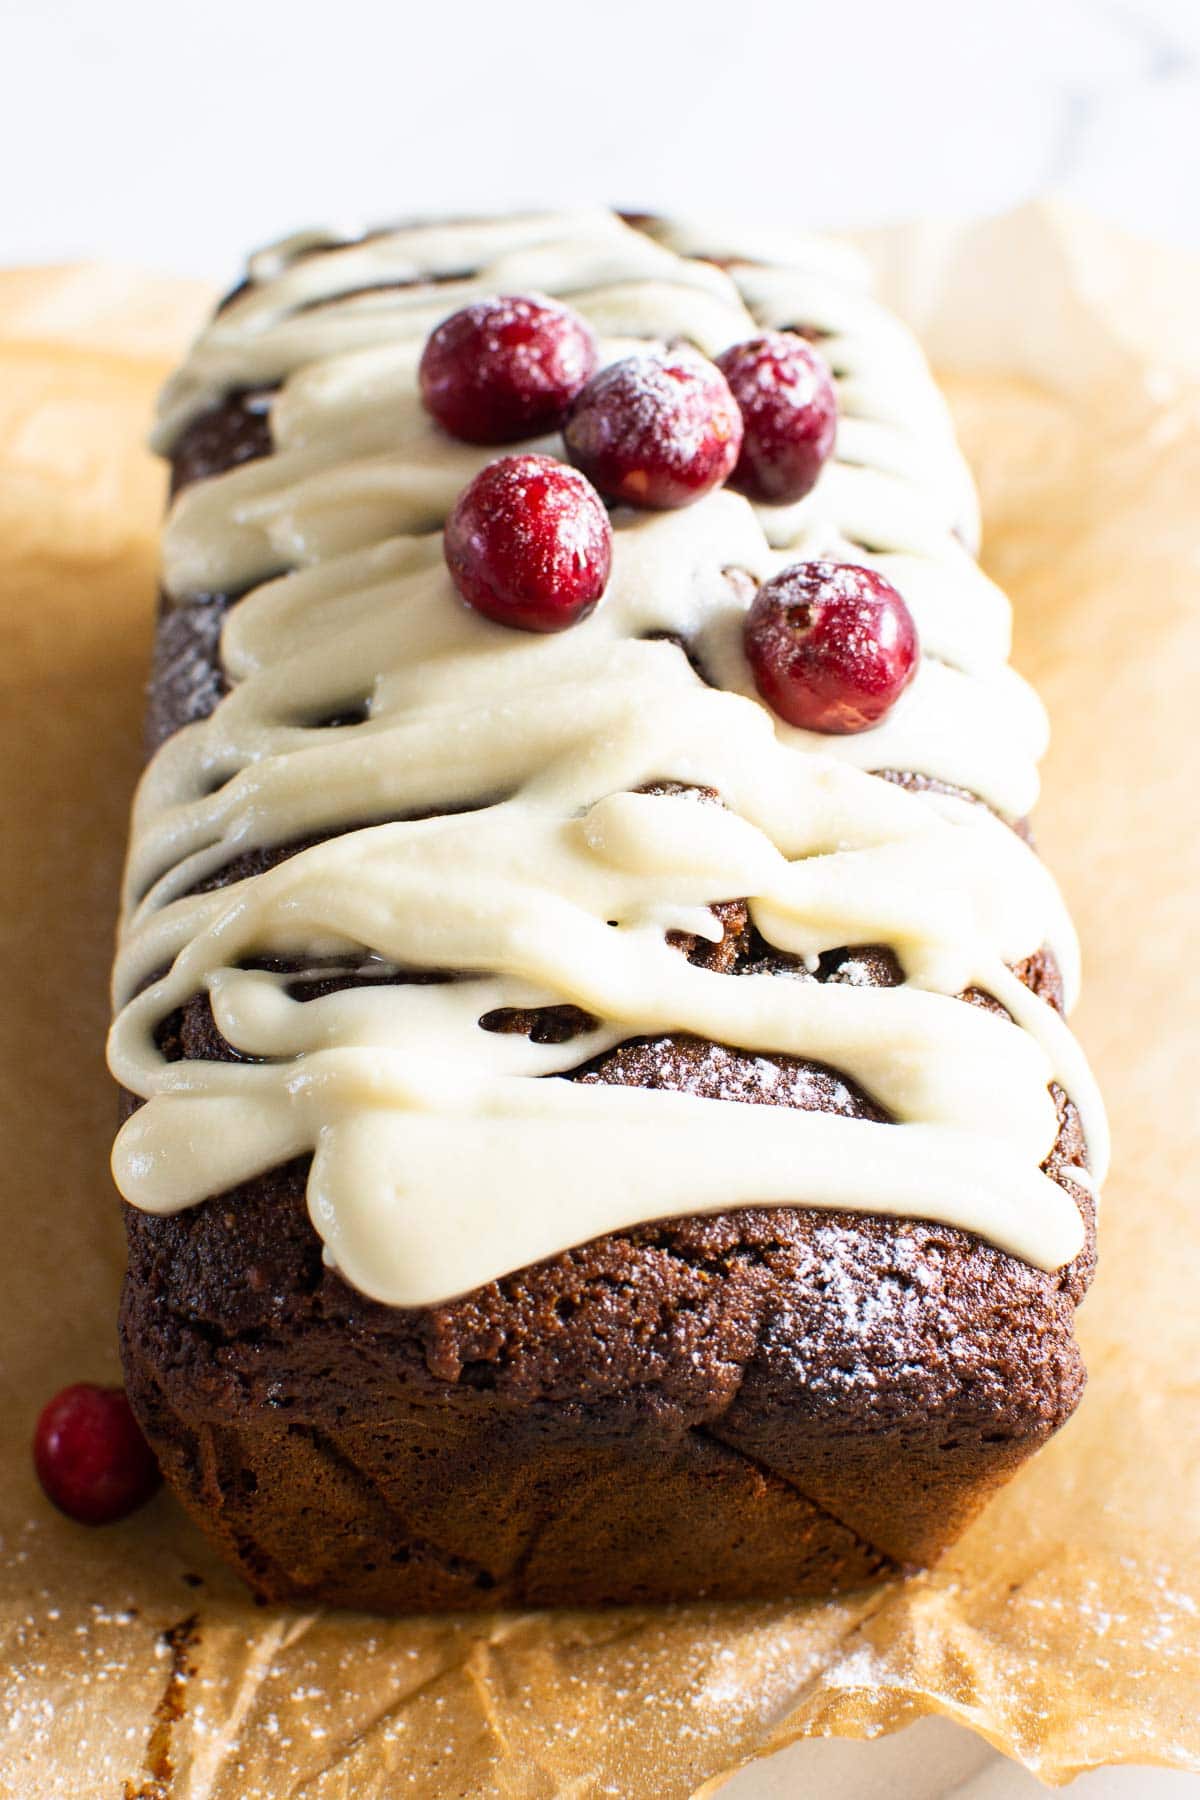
(487, 819)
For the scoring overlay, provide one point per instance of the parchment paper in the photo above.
(1066, 1625)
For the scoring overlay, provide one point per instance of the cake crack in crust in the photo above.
(563, 1166)
(885, 1563)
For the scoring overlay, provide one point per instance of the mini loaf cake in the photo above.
(600, 1121)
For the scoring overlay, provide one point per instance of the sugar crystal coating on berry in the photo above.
(529, 544)
(789, 412)
(832, 646)
(658, 430)
(506, 369)
(90, 1455)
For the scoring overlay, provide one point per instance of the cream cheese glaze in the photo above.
(444, 1154)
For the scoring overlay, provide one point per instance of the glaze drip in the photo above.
(446, 1153)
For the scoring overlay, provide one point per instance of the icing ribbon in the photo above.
(444, 1154)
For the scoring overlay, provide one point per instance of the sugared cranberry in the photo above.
(506, 369)
(832, 646)
(529, 543)
(657, 430)
(90, 1455)
(789, 412)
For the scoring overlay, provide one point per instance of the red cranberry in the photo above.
(832, 646)
(529, 543)
(789, 411)
(656, 430)
(90, 1455)
(506, 369)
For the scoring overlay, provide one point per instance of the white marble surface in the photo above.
(174, 137)
(932, 1760)
(177, 135)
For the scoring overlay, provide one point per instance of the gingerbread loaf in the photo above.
(589, 1135)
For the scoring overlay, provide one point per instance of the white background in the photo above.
(175, 136)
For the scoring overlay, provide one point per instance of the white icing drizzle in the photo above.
(445, 1155)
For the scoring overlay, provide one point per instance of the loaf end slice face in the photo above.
(764, 1402)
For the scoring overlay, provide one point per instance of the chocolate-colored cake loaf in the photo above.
(600, 1124)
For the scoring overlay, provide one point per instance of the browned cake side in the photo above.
(767, 1401)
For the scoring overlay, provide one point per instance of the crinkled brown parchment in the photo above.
(1066, 1626)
